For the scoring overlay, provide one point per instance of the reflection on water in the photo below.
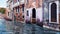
(3, 29)
(26, 29)
(34, 29)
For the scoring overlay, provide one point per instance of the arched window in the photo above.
(53, 12)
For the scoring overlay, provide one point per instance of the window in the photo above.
(53, 12)
(13, 9)
(18, 9)
(23, 16)
(8, 13)
(27, 13)
(23, 7)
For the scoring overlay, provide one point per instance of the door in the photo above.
(34, 15)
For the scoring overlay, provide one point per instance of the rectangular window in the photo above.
(8, 13)
(23, 7)
(18, 9)
(27, 13)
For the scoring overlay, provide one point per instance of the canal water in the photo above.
(3, 28)
(35, 29)
(26, 29)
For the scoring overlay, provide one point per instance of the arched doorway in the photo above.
(33, 15)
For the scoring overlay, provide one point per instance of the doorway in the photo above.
(33, 15)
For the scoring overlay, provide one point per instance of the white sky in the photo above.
(3, 3)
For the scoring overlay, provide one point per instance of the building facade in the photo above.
(9, 9)
(37, 11)
(18, 8)
(18, 13)
(51, 13)
(9, 16)
(33, 11)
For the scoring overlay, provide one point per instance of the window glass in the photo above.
(23, 7)
(53, 12)
(27, 13)
(18, 9)
(8, 13)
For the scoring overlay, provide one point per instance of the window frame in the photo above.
(57, 12)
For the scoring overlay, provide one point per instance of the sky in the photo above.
(3, 3)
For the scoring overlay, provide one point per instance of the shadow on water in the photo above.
(28, 28)
(35, 29)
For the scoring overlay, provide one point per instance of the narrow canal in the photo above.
(25, 29)
(3, 27)
(33, 29)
